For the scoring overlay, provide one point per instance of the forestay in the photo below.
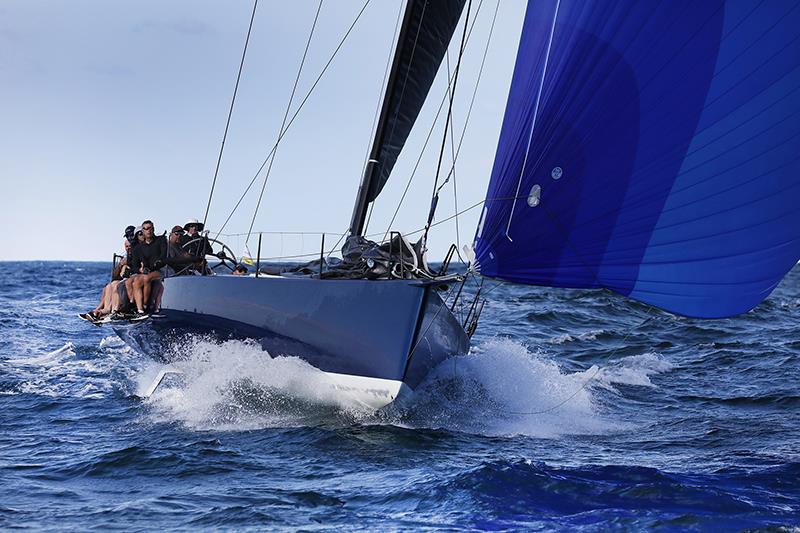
(651, 148)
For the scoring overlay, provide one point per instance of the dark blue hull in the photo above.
(390, 332)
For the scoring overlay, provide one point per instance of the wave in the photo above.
(70, 371)
(235, 385)
(49, 358)
(500, 388)
(585, 336)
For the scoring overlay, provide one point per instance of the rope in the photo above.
(449, 118)
(294, 116)
(372, 235)
(466, 120)
(230, 111)
(393, 46)
(430, 132)
(283, 122)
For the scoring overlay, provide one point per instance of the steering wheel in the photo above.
(228, 260)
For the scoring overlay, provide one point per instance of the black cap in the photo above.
(129, 231)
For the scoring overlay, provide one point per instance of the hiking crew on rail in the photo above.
(136, 280)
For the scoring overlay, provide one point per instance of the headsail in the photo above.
(424, 37)
(651, 148)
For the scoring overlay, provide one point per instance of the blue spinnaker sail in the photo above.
(651, 148)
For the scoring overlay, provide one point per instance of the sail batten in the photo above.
(658, 156)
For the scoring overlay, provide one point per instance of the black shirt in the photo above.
(152, 255)
(178, 259)
(200, 247)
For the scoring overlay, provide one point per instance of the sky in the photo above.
(113, 112)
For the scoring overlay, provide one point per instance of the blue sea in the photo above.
(576, 410)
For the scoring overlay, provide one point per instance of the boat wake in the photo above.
(500, 388)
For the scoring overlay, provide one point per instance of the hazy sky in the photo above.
(113, 112)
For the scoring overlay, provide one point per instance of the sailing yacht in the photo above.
(650, 149)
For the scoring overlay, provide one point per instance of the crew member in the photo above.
(178, 260)
(147, 258)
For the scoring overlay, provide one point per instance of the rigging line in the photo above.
(378, 106)
(466, 120)
(408, 73)
(230, 111)
(301, 233)
(453, 172)
(535, 113)
(469, 114)
(433, 124)
(283, 121)
(470, 208)
(336, 245)
(369, 215)
(405, 79)
(297, 112)
(434, 194)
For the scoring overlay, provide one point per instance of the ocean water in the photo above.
(576, 410)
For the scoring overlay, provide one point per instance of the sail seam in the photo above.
(535, 112)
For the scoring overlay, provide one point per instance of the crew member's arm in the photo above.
(207, 249)
(136, 260)
(160, 258)
(182, 259)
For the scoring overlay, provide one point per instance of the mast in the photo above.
(362, 201)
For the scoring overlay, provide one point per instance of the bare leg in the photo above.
(152, 276)
(99, 309)
(158, 291)
(109, 292)
(129, 287)
(138, 292)
(118, 300)
(115, 301)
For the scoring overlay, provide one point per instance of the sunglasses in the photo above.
(148, 228)
(177, 232)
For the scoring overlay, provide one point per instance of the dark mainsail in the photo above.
(424, 37)
(651, 148)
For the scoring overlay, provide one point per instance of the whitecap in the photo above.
(632, 370)
(504, 388)
(112, 341)
(49, 358)
(584, 336)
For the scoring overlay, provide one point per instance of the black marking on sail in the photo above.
(420, 50)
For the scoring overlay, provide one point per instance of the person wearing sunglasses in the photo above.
(179, 261)
(196, 243)
(148, 257)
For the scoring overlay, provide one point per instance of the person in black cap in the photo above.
(129, 231)
(118, 275)
(130, 242)
(179, 261)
